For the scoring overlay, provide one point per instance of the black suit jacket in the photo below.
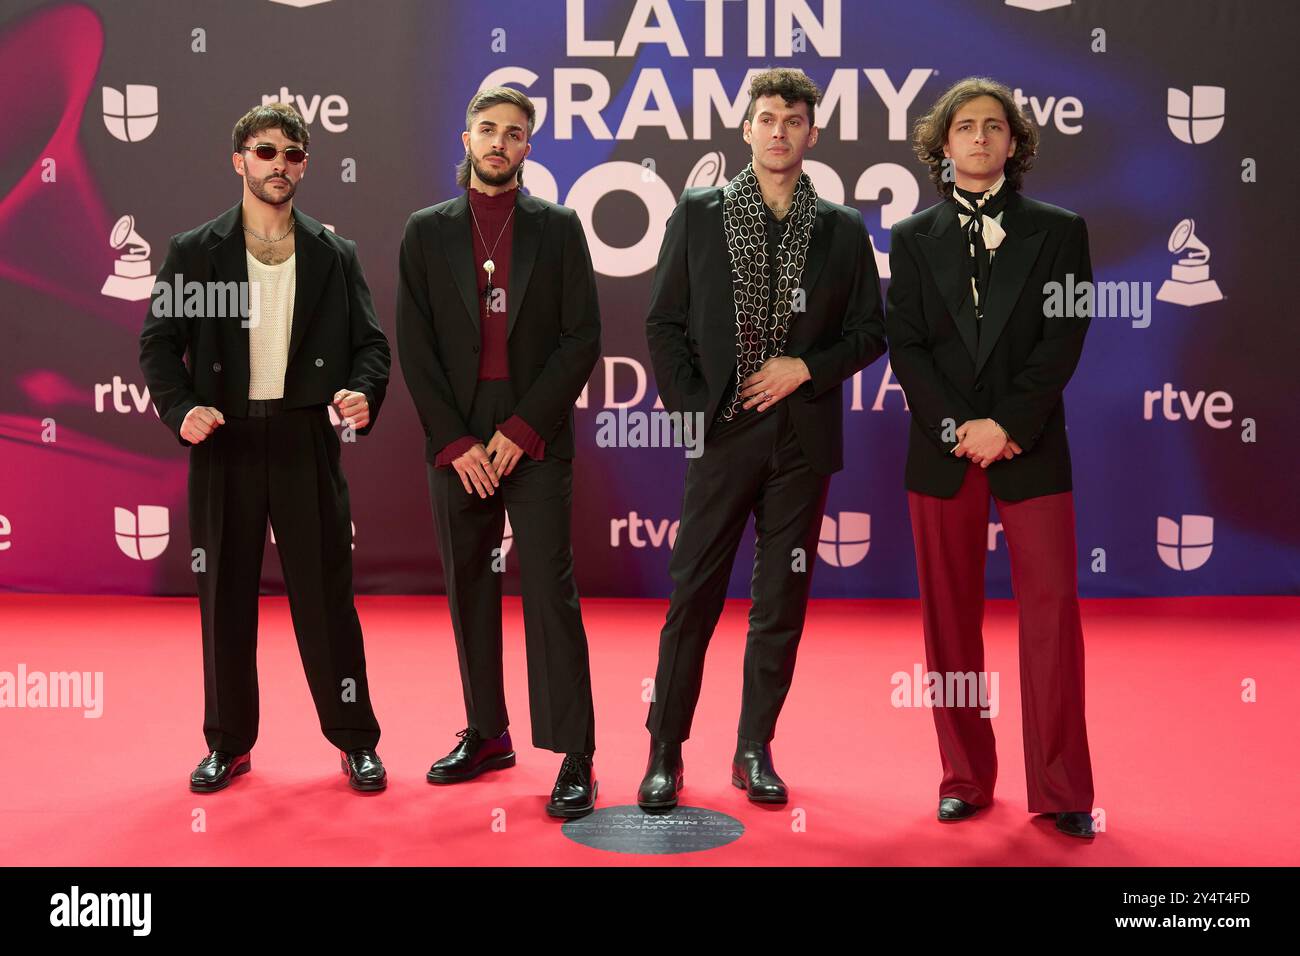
(552, 322)
(335, 341)
(691, 326)
(1011, 365)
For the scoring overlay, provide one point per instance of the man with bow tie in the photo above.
(984, 366)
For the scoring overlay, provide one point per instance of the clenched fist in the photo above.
(353, 408)
(200, 422)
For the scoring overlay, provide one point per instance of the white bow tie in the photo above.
(990, 228)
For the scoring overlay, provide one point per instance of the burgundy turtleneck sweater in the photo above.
(492, 213)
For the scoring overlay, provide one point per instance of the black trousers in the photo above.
(284, 467)
(751, 464)
(539, 498)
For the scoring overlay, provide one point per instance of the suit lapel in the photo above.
(313, 260)
(529, 217)
(230, 264)
(227, 248)
(458, 246)
(818, 246)
(720, 320)
(1011, 266)
(945, 251)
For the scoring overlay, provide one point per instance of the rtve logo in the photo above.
(119, 390)
(132, 116)
(1212, 408)
(657, 532)
(1197, 118)
(141, 534)
(844, 543)
(1185, 545)
(333, 108)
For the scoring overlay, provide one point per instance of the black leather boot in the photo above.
(575, 787)
(217, 769)
(1076, 824)
(954, 808)
(472, 756)
(663, 777)
(752, 771)
(364, 769)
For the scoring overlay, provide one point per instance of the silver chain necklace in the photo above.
(263, 238)
(488, 265)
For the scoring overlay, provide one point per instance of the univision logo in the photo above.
(844, 543)
(1199, 117)
(141, 534)
(1185, 545)
(132, 116)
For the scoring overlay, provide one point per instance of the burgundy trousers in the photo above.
(951, 537)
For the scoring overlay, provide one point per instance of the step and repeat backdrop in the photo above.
(1167, 125)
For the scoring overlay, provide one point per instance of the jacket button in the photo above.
(320, 363)
(216, 366)
(476, 348)
(979, 386)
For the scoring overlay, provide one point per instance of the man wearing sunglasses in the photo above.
(252, 405)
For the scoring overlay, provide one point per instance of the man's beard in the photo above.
(492, 176)
(258, 188)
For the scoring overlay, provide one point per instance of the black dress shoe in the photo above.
(364, 770)
(217, 769)
(474, 755)
(663, 777)
(575, 788)
(1076, 824)
(752, 771)
(951, 808)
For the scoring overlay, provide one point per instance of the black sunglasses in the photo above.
(293, 155)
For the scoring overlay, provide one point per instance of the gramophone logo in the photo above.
(1190, 283)
(132, 278)
(1199, 117)
(1185, 545)
(141, 534)
(131, 117)
(844, 544)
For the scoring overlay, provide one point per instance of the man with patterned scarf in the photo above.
(761, 357)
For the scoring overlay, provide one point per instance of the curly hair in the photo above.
(790, 84)
(931, 130)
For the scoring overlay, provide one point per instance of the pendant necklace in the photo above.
(488, 265)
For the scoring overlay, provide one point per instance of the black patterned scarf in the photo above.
(760, 335)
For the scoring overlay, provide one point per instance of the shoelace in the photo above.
(572, 763)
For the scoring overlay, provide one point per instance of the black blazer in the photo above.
(1011, 365)
(335, 341)
(691, 327)
(552, 319)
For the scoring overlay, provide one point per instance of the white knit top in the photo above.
(268, 337)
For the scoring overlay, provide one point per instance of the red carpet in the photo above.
(1187, 773)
